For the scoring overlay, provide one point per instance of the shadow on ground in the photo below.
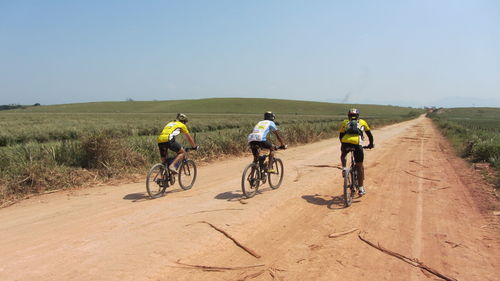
(229, 195)
(325, 166)
(335, 202)
(237, 194)
(134, 197)
(143, 196)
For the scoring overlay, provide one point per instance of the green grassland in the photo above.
(139, 118)
(52, 147)
(219, 105)
(474, 132)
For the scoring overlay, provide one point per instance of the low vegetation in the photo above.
(10, 106)
(44, 148)
(474, 133)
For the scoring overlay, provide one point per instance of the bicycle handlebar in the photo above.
(353, 149)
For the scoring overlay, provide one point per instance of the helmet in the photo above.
(269, 116)
(353, 113)
(182, 117)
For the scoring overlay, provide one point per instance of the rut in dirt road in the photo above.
(418, 204)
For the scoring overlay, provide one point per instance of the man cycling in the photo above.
(166, 140)
(351, 136)
(258, 138)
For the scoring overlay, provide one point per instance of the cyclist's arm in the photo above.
(279, 137)
(185, 131)
(370, 137)
(367, 131)
(190, 139)
(342, 130)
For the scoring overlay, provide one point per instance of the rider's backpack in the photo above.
(352, 128)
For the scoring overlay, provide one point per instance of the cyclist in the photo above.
(258, 138)
(351, 136)
(166, 140)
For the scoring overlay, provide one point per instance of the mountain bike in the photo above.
(351, 184)
(160, 177)
(256, 174)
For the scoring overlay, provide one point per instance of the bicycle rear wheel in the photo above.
(250, 180)
(187, 174)
(275, 178)
(156, 182)
(348, 192)
(354, 181)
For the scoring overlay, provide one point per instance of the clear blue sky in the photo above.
(421, 52)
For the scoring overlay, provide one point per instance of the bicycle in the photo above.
(160, 177)
(256, 174)
(351, 184)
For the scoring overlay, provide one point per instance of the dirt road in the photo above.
(421, 202)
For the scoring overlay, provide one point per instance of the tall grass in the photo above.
(46, 127)
(45, 151)
(474, 133)
(34, 167)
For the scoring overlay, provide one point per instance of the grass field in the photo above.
(219, 105)
(52, 147)
(474, 132)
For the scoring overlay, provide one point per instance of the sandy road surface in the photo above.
(418, 204)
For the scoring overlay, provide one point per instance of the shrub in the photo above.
(474, 134)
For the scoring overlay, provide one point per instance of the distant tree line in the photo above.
(10, 106)
(14, 106)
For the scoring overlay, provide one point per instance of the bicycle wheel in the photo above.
(250, 180)
(354, 180)
(276, 177)
(155, 182)
(348, 193)
(187, 174)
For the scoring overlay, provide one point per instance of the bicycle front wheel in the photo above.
(348, 192)
(250, 180)
(156, 182)
(276, 177)
(187, 174)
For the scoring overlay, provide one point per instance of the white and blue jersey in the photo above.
(261, 130)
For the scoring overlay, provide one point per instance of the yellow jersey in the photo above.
(353, 138)
(171, 130)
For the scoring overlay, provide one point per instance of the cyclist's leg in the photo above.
(343, 154)
(177, 148)
(269, 145)
(254, 146)
(361, 173)
(359, 158)
(163, 147)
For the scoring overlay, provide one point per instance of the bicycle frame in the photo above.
(171, 176)
(263, 162)
(159, 177)
(350, 180)
(256, 174)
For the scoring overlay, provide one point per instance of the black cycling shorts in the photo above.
(359, 155)
(171, 144)
(255, 145)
